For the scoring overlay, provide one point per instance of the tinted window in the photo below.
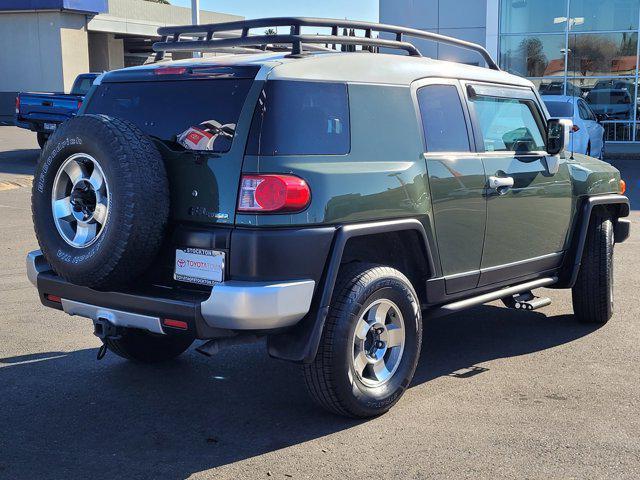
(301, 118)
(168, 109)
(82, 86)
(560, 109)
(508, 125)
(443, 120)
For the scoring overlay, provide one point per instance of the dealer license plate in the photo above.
(195, 265)
(50, 126)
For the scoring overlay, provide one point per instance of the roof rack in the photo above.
(205, 36)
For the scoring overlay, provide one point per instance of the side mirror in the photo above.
(558, 131)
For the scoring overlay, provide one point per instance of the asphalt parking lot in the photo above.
(557, 399)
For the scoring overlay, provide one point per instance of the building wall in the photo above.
(106, 52)
(139, 17)
(463, 19)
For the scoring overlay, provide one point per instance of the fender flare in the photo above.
(300, 343)
(573, 257)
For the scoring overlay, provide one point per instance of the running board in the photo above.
(489, 297)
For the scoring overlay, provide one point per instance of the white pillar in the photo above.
(493, 28)
(195, 20)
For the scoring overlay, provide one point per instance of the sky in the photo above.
(352, 9)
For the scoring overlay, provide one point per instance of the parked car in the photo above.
(43, 112)
(556, 87)
(613, 104)
(587, 134)
(327, 202)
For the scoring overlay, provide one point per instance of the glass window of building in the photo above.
(533, 55)
(535, 16)
(602, 54)
(579, 48)
(594, 15)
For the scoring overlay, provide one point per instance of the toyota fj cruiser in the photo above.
(326, 199)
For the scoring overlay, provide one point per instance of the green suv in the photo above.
(323, 198)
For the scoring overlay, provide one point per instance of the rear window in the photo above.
(166, 110)
(82, 85)
(301, 118)
(560, 109)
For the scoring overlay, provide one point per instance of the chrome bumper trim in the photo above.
(36, 264)
(116, 317)
(240, 305)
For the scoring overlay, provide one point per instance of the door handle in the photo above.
(500, 184)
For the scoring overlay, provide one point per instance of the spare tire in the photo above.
(100, 201)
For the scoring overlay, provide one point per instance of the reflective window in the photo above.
(583, 111)
(556, 87)
(445, 129)
(301, 118)
(205, 111)
(602, 54)
(533, 56)
(590, 15)
(559, 109)
(508, 125)
(521, 16)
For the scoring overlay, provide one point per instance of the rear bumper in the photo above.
(231, 305)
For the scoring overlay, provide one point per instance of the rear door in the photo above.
(199, 121)
(528, 202)
(456, 182)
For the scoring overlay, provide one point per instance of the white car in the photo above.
(588, 134)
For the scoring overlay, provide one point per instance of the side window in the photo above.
(301, 118)
(443, 122)
(584, 113)
(591, 115)
(508, 125)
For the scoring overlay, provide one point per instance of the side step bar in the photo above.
(460, 305)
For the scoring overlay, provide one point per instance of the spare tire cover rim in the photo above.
(80, 200)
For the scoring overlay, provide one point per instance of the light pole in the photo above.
(195, 20)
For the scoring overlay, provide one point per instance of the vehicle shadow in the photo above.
(67, 415)
(19, 162)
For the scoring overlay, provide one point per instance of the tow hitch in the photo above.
(104, 329)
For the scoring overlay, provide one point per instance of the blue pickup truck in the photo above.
(43, 112)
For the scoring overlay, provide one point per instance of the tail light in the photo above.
(17, 105)
(623, 187)
(170, 71)
(575, 128)
(79, 104)
(273, 193)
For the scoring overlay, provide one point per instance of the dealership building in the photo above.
(585, 48)
(47, 43)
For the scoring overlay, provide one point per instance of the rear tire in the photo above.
(146, 347)
(592, 294)
(42, 138)
(371, 305)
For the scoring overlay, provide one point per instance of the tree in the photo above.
(270, 31)
(532, 50)
(592, 53)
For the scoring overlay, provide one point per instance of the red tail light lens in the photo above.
(79, 104)
(170, 71)
(17, 105)
(575, 128)
(273, 193)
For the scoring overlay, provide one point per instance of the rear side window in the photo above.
(168, 110)
(443, 122)
(301, 118)
(508, 124)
